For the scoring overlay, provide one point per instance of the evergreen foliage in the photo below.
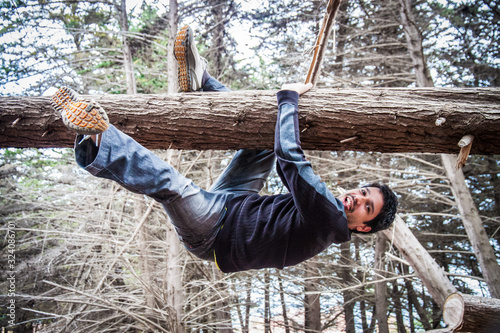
(79, 270)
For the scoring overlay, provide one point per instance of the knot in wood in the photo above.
(241, 117)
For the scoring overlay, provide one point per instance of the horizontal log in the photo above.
(382, 119)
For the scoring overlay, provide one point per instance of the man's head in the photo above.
(370, 208)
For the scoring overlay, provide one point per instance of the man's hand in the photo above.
(298, 87)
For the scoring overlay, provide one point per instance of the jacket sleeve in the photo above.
(311, 196)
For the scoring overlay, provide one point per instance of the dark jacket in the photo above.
(285, 229)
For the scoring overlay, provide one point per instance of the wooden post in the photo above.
(322, 41)
(473, 225)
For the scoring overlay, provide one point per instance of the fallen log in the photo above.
(382, 119)
(465, 313)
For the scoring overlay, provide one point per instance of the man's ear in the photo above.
(363, 228)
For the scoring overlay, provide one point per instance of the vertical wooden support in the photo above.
(321, 41)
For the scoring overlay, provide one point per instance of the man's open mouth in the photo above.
(349, 203)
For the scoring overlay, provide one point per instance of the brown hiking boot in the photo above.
(191, 65)
(79, 115)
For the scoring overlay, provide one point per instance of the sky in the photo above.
(244, 40)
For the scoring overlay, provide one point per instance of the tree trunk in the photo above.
(381, 119)
(174, 268)
(360, 276)
(439, 286)
(495, 182)
(217, 48)
(312, 306)
(248, 306)
(414, 43)
(222, 310)
(173, 21)
(173, 284)
(283, 304)
(396, 298)
(127, 52)
(267, 302)
(473, 225)
(348, 294)
(454, 307)
(414, 303)
(381, 287)
(144, 254)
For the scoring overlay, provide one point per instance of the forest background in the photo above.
(82, 264)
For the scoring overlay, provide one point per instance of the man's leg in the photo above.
(192, 68)
(246, 173)
(211, 84)
(194, 212)
(248, 170)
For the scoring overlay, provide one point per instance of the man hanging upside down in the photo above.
(231, 223)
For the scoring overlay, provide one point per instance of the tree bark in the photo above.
(173, 21)
(283, 304)
(396, 298)
(414, 43)
(381, 119)
(267, 302)
(144, 255)
(348, 294)
(128, 63)
(360, 276)
(217, 48)
(248, 305)
(222, 309)
(473, 225)
(413, 301)
(312, 305)
(174, 267)
(381, 287)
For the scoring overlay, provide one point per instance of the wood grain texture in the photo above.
(383, 120)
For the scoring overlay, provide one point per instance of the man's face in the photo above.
(362, 205)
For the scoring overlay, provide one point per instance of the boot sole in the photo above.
(80, 116)
(181, 55)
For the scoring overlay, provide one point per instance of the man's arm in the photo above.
(295, 171)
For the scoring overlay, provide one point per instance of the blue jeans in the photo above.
(196, 214)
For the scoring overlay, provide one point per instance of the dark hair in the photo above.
(388, 212)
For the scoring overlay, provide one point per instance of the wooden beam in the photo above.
(382, 119)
